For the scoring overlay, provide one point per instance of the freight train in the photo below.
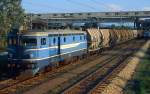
(34, 51)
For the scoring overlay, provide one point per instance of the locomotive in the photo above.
(36, 50)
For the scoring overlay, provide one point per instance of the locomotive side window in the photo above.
(73, 38)
(80, 37)
(43, 41)
(29, 41)
(54, 40)
(64, 39)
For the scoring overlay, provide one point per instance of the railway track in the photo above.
(83, 86)
(103, 75)
(106, 80)
(17, 86)
(10, 85)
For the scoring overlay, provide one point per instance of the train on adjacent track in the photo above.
(34, 51)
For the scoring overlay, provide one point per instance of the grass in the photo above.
(140, 83)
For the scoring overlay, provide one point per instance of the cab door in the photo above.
(44, 48)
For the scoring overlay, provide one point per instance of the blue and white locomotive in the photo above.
(32, 51)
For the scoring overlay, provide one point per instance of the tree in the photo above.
(11, 15)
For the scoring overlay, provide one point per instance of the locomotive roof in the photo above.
(47, 32)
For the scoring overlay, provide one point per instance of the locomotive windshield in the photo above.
(29, 41)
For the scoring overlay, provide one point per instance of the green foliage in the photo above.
(11, 15)
(140, 82)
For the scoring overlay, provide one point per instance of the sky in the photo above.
(74, 6)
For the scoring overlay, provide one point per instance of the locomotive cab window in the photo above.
(10, 41)
(43, 41)
(14, 41)
(29, 41)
